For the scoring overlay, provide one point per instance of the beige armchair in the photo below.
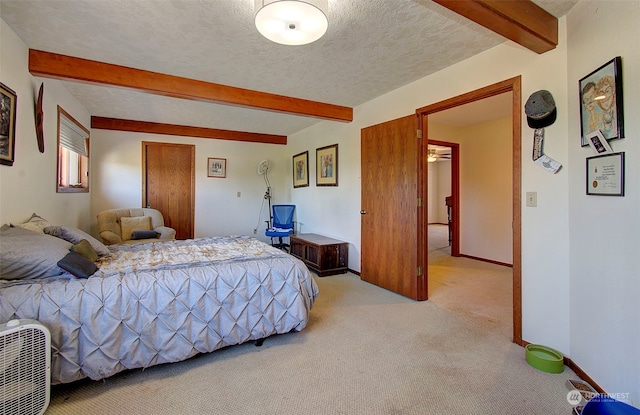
(131, 226)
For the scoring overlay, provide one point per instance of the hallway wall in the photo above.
(485, 187)
(439, 188)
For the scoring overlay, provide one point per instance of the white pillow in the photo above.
(35, 223)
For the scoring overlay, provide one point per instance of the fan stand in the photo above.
(267, 195)
(263, 169)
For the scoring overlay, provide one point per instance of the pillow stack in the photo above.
(36, 249)
(26, 254)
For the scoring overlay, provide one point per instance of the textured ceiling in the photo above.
(372, 47)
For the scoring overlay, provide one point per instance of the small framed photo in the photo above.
(216, 167)
(605, 175)
(598, 143)
(301, 170)
(8, 100)
(327, 166)
(601, 102)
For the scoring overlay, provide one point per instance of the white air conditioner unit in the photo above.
(25, 366)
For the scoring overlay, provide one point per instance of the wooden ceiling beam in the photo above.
(521, 21)
(116, 124)
(51, 65)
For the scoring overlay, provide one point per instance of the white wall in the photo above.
(486, 172)
(30, 184)
(604, 231)
(443, 168)
(117, 180)
(486, 190)
(439, 187)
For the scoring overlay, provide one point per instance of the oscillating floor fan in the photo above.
(263, 167)
(25, 365)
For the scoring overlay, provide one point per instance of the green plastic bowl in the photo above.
(544, 358)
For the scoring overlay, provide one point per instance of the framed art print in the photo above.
(301, 170)
(216, 167)
(8, 100)
(601, 102)
(327, 166)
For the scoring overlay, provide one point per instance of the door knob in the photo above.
(363, 212)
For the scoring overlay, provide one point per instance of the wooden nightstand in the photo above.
(326, 256)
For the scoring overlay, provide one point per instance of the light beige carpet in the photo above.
(365, 351)
(469, 287)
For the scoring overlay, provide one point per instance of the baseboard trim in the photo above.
(581, 373)
(353, 271)
(504, 264)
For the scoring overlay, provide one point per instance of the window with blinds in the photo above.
(73, 154)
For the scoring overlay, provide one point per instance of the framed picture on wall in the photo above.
(327, 166)
(598, 143)
(601, 102)
(216, 167)
(8, 100)
(605, 175)
(301, 170)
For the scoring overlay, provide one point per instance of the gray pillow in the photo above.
(26, 254)
(135, 235)
(77, 265)
(74, 235)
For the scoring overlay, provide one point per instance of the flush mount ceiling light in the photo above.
(292, 22)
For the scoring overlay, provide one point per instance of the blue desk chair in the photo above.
(281, 224)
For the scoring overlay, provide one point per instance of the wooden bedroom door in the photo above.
(390, 213)
(168, 184)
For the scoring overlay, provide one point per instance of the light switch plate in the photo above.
(532, 199)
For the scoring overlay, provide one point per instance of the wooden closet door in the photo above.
(389, 215)
(169, 184)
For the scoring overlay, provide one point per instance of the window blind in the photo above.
(72, 137)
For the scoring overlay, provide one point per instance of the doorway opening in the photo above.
(443, 188)
(425, 117)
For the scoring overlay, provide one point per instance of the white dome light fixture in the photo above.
(292, 22)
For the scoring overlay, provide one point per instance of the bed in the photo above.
(155, 303)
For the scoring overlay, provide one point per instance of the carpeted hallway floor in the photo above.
(365, 351)
(469, 287)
